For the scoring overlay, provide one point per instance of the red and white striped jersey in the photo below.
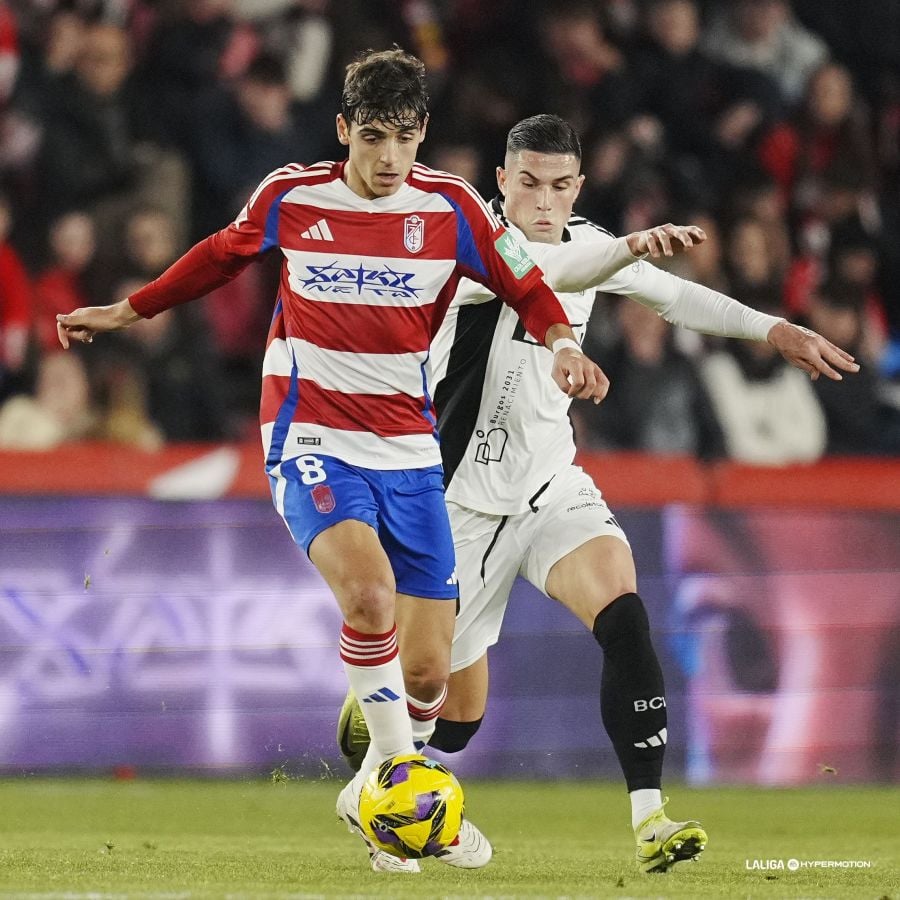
(364, 286)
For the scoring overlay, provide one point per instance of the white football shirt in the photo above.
(503, 422)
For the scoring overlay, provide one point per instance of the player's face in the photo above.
(540, 190)
(380, 157)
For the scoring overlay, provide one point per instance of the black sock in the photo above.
(632, 694)
(451, 737)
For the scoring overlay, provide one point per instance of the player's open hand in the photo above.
(579, 376)
(82, 324)
(665, 240)
(811, 352)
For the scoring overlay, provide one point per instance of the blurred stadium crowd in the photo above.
(131, 128)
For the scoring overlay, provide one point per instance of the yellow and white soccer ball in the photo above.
(411, 806)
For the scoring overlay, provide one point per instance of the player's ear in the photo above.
(343, 129)
(501, 179)
(579, 181)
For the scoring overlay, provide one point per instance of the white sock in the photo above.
(373, 670)
(371, 761)
(423, 715)
(644, 802)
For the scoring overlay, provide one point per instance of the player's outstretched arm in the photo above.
(577, 375)
(811, 352)
(699, 308)
(82, 324)
(580, 266)
(695, 306)
(208, 265)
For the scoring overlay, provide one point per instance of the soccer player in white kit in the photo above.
(519, 506)
(372, 249)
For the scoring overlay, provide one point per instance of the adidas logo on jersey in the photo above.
(318, 232)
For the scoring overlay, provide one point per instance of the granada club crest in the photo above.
(323, 498)
(413, 233)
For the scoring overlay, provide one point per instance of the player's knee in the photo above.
(616, 581)
(425, 679)
(624, 618)
(451, 737)
(368, 604)
(621, 583)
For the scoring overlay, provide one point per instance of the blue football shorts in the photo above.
(405, 507)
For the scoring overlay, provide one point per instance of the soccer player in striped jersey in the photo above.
(373, 249)
(519, 506)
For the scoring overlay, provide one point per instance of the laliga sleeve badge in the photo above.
(323, 498)
(514, 254)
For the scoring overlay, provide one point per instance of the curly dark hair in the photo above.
(386, 86)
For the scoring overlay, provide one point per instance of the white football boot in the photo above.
(470, 849)
(381, 861)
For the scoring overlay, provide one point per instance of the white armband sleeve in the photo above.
(691, 305)
(578, 266)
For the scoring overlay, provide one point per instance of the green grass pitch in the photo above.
(249, 839)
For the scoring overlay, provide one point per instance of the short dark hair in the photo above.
(386, 86)
(543, 134)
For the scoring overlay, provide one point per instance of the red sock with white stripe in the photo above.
(423, 716)
(373, 670)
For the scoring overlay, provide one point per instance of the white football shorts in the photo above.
(492, 550)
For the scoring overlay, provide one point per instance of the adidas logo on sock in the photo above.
(655, 740)
(382, 695)
(318, 232)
